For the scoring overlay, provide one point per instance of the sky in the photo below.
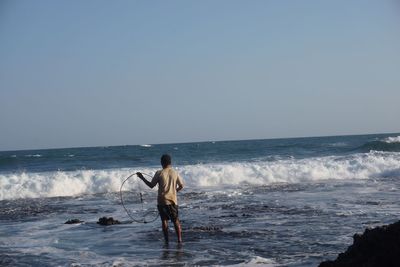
(102, 73)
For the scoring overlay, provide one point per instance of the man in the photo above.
(169, 183)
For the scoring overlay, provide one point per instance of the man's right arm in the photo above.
(149, 184)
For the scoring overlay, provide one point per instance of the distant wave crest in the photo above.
(146, 145)
(390, 144)
(33, 156)
(73, 183)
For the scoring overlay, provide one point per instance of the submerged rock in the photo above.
(376, 247)
(108, 221)
(73, 221)
(207, 228)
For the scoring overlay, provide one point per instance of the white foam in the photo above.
(33, 156)
(258, 261)
(358, 166)
(146, 145)
(392, 139)
(72, 183)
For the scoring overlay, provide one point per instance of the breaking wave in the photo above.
(390, 144)
(72, 183)
(392, 139)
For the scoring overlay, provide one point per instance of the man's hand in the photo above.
(140, 175)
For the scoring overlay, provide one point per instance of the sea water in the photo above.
(278, 202)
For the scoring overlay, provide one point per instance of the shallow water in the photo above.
(279, 225)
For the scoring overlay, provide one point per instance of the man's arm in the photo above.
(149, 184)
(179, 188)
(179, 183)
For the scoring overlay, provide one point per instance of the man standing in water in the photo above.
(169, 183)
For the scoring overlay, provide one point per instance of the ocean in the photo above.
(277, 202)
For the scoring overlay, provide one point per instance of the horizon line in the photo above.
(202, 141)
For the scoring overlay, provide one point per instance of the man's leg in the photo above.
(164, 227)
(178, 230)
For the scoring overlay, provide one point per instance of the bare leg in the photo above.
(164, 227)
(178, 230)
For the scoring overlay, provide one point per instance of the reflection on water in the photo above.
(172, 252)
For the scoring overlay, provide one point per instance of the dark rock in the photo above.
(376, 247)
(207, 228)
(73, 221)
(108, 221)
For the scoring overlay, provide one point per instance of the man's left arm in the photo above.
(179, 183)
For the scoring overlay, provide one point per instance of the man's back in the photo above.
(167, 180)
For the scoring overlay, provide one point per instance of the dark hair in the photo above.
(165, 160)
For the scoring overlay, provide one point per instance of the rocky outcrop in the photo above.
(377, 247)
(108, 221)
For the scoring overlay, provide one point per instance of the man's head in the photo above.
(165, 160)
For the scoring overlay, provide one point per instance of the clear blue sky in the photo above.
(90, 73)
